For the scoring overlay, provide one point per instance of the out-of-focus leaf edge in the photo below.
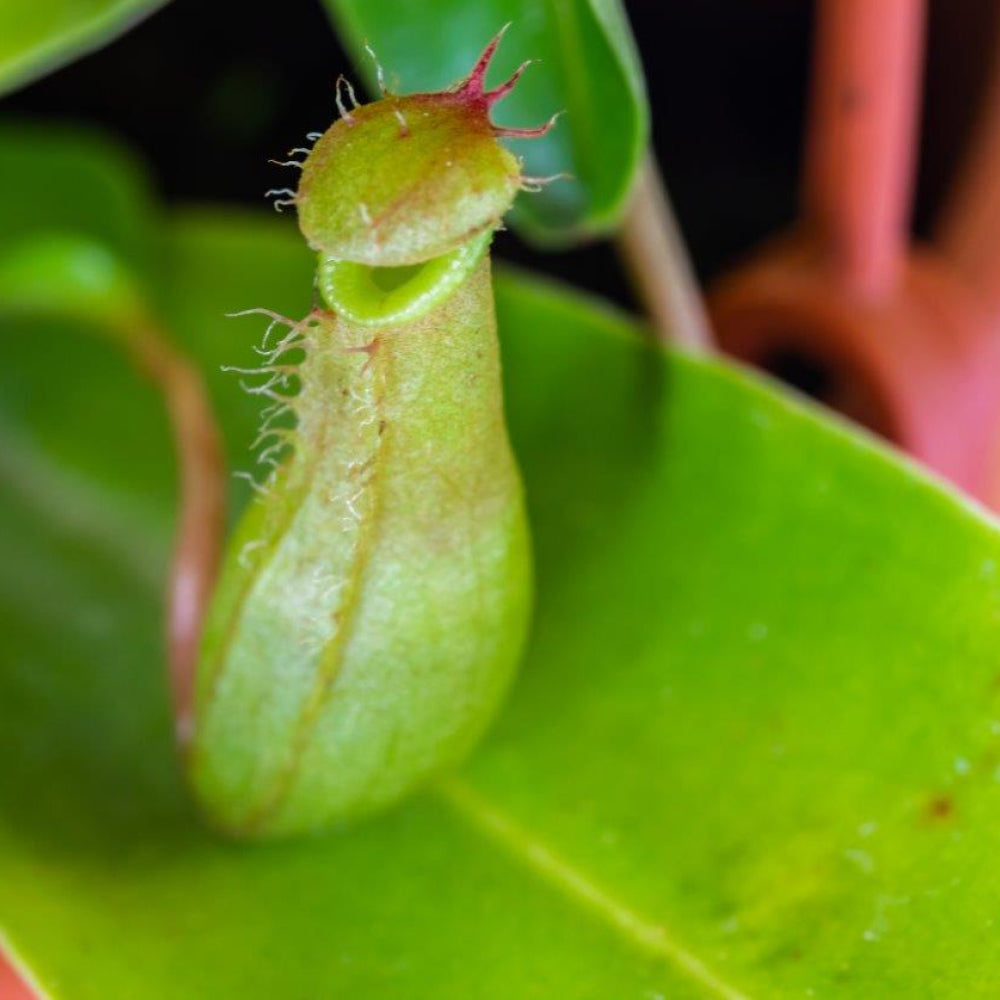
(84, 38)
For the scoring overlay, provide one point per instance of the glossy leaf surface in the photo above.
(753, 751)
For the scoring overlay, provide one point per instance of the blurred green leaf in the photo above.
(70, 276)
(38, 36)
(753, 750)
(588, 67)
(81, 200)
(76, 195)
(65, 181)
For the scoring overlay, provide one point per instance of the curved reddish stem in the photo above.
(860, 145)
(202, 508)
(969, 230)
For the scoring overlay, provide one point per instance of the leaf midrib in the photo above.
(498, 827)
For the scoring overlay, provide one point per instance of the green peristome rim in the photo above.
(353, 292)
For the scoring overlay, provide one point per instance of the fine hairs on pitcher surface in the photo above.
(373, 602)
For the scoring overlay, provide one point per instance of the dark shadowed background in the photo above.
(208, 91)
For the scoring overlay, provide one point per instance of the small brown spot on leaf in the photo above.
(940, 808)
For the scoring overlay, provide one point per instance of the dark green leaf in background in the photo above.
(588, 67)
(37, 36)
(753, 750)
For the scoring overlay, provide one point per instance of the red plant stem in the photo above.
(860, 145)
(968, 232)
(202, 508)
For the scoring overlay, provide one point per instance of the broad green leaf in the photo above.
(753, 751)
(37, 36)
(588, 67)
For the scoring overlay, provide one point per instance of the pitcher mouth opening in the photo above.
(382, 296)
